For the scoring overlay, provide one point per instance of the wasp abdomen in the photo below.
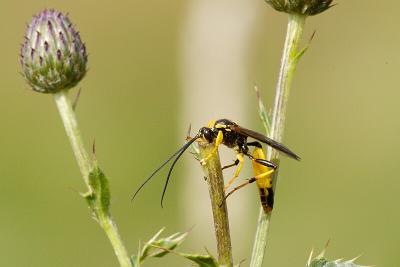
(267, 199)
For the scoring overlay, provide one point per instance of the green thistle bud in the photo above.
(53, 57)
(302, 7)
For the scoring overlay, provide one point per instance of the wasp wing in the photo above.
(266, 140)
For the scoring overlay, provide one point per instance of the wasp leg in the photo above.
(266, 163)
(218, 141)
(262, 166)
(249, 181)
(255, 144)
(231, 165)
(259, 157)
(240, 158)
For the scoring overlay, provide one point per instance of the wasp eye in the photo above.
(207, 134)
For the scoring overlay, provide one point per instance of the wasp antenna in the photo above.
(181, 151)
(157, 170)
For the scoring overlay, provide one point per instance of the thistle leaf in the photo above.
(147, 247)
(201, 260)
(262, 112)
(336, 263)
(300, 54)
(135, 261)
(321, 261)
(158, 247)
(99, 197)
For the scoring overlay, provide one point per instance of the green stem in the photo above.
(85, 166)
(71, 128)
(213, 173)
(111, 230)
(288, 66)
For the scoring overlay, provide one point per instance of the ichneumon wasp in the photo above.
(233, 136)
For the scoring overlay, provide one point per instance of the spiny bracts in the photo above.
(52, 56)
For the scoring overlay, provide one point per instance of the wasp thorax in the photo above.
(53, 57)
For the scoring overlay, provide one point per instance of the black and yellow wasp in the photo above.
(233, 136)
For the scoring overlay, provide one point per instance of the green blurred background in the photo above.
(342, 120)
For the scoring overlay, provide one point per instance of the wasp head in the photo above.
(207, 134)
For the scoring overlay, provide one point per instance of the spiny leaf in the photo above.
(336, 263)
(135, 261)
(170, 243)
(194, 148)
(146, 249)
(201, 260)
(99, 197)
(159, 247)
(321, 261)
(300, 54)
(262, 112)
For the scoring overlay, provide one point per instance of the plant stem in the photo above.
(71, 128)
(111, 230)
(215, 180)
(288, 66)
(85, 166)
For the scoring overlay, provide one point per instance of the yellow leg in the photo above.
(262, 175)
(231, 165)
(251, 180)
(217, 142)
(260, 169)
(239, 156)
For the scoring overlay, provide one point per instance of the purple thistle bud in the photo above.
(53, 57)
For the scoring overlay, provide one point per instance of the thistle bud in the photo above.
(302, 7)
(53, 57)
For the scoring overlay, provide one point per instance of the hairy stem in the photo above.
(71, 128)
(215, 180)
(111, 230)
(85, 166)
(289, 61)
